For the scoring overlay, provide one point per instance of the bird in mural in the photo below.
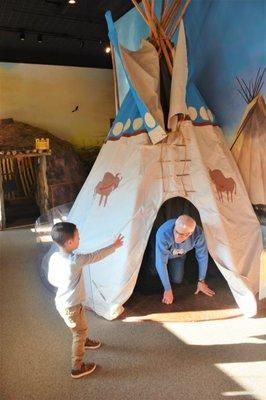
(75, 109)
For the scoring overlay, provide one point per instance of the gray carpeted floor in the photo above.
(139, 360)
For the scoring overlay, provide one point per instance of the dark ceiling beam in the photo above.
(57, 3)
(61, 6)
(53, 34)
(62, 17)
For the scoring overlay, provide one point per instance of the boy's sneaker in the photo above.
(85, 369)
(92, 344)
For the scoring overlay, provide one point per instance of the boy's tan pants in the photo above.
(75, 319)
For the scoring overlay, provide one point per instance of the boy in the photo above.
(65, 273)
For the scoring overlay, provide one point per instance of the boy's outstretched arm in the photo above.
(98, 255)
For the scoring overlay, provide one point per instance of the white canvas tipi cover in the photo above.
(132, 177)
(249, 150)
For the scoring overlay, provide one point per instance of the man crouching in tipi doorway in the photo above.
(174, 239)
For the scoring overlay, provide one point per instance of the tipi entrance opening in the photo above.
(148, 280)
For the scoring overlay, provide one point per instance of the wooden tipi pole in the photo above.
(117, 104)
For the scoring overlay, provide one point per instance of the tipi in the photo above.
(249, 144)
(140, 166)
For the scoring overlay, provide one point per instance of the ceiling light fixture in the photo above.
(107, 49)
(39, 38)
(72, 1)
(22, 36)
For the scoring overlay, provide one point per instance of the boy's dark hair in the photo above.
(63, 231)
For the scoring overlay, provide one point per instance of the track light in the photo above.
(22, 36)
(39, 38)
(106, 47)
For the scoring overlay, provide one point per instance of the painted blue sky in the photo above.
(226, 38)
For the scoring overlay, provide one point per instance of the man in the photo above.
(174, 239)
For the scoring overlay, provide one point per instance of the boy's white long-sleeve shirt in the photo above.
(65, 273)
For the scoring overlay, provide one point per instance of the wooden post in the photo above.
(2, 202)
(42, 186)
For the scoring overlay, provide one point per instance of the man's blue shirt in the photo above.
(167, 248)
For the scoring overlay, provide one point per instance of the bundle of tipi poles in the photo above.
(163, 28)
(250, 90)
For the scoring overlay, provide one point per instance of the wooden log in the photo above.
(140, 11)
(151, 24)
(179, 19)
(11, 175)
(166, 10)
(152, 8)
(9, 170)
(167, 58)
(161, 38)
(42, 186)
(167, 41)
(12, 166)
(170, 12)
(32, 171)
(2, 201)
(19, 191)
(5, 177)
(162, 8)
(32, 153)
(21, 176)
(24, 177)
(3, 162)
(28, 175)
(159, 35)
(170, 25)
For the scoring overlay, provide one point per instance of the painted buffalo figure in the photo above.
(109, 183)
(223, 184)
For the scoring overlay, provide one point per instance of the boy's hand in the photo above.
(119, 241)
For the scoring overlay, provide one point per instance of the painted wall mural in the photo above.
(75, 104)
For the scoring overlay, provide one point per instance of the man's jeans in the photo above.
(176, 269)
(75, 319)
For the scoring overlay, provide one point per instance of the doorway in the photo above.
(19, 187)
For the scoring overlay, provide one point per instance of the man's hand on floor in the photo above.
(168, 297)
(204, 288)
